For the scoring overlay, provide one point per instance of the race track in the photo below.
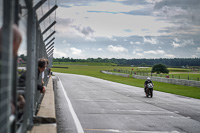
(92, 105)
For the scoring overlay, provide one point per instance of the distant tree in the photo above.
(143, 65)
(176, 62)
(159, 68)
(23, 57)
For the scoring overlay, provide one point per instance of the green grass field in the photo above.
(84, 63)
(94, 71)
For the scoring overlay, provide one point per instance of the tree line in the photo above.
(175, 62)
(137, 62)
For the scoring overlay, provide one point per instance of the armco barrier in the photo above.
(118, 74)
(171, 81)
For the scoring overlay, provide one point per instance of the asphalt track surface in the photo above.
(90, 105)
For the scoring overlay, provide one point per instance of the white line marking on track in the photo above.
(130, 131)
(76, 120)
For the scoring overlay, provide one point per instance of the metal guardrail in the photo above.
(117, 74)
(13, 12)
(160, 79)
(171, 81)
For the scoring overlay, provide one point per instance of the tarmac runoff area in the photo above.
(45, 121)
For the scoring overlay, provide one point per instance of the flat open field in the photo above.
(94, 71)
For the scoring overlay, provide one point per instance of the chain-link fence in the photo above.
(20, 24)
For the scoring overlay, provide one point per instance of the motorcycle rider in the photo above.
(147, 82)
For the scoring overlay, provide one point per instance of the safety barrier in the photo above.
(160, 79)
(117, 74)
(23, 13)
(171, 81)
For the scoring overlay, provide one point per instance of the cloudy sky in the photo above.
(127, 29)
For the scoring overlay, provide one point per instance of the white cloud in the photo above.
(176, 40)
(76, 51)
(118, 48)
(175, 45)
(22, 51)
(188, 42)
(150, 52)
(96, 21)
(108, 24)
(90, 39)
(194, 56)
(120, 0)
(86, 31)
(137, 43)
(160, 51)
(169, 12)
(131, 42)
(136, 50)
(59, 53)
(155, 52)
(153, 1)
(114, 7)
(139, 54)
(64, 41)
(182, 43)
(99, 49)
(151, 40)
(113, 39)
(198, 49)
(170, 55)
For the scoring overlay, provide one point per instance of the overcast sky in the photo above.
(127, 29)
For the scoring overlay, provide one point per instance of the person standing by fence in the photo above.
(41, 68)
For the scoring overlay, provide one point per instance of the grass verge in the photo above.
(94, 71)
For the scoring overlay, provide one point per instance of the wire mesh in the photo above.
(34, 48)
(6, 61)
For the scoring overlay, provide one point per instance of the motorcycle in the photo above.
(149, 90)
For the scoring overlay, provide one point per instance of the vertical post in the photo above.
(6, 58)
(30, 74)
(15, 65)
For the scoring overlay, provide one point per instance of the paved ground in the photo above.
(46, 112)
(92, 105)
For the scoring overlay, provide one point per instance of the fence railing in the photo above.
(22, 13)
(117, 74)
(174, 76)
(159, 79)
(171, 81)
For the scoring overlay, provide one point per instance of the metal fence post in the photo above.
(30, 74)
(6, 67)
(35, 49)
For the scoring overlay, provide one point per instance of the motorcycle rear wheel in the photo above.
(151, 92)
(147, 92)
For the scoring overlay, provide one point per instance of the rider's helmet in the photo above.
(148, 78)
